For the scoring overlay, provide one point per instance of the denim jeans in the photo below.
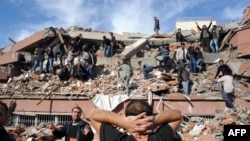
(228, 97)
(146, 70)
(50, 64)
(199, 63)
(107, 51)
(185, 85)
(90, 72)
(36, 63)
(192, 65)
(214, 45)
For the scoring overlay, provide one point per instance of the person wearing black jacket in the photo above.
(50, 62)
(77, 129)
(192, 57)
(205, 36)
(200, 59)
(224, 68)
(183, 77)
(39, 53)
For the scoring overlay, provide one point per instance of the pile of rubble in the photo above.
(198, 128)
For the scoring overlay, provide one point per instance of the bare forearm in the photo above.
(103, 116)
(172, 117)
(167, 116)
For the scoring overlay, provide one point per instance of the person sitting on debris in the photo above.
(205, 36)
(139, 122)
(4, 117)
(145, 68)
(124, 72)
(76, 130)
(224, 68)
(227, 91)
(64, 73)
(50, 62)
(88, 68)
(79, 72)
(183, 77)
(39, 53)
(181, 54)
(179, 36)
(192, 57)
(164, 55)
(170, 65)
(200, 59)
(106, 46)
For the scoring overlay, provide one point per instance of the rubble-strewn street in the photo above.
(21, 82)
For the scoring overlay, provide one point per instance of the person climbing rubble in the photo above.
(145, 68)
(227, 90)
(183, 78)
(223, 68)
(124, 73)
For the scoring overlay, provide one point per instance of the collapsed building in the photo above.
(43, 98)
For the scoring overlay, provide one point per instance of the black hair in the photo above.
(77, 107)
(136, 107)
(221, 61)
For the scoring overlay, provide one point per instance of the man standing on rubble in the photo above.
(205, 36)
(76, 130)
(181, 54)
(39, 53)
(157, 26)
(227, 91)
(183, 77)
(125, 72)
(139, 122)
(106, 46)
(4, 116)
(50, 62)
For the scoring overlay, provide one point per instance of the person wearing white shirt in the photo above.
(227, 89)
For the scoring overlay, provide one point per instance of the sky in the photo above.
(22, 18)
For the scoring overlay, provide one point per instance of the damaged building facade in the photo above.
(43, 98)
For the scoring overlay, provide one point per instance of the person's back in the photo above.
(4, 111)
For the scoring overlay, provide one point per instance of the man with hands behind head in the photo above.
(139, 123)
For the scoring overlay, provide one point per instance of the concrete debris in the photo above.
(202, 127)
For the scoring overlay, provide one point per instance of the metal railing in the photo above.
(35, 120)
